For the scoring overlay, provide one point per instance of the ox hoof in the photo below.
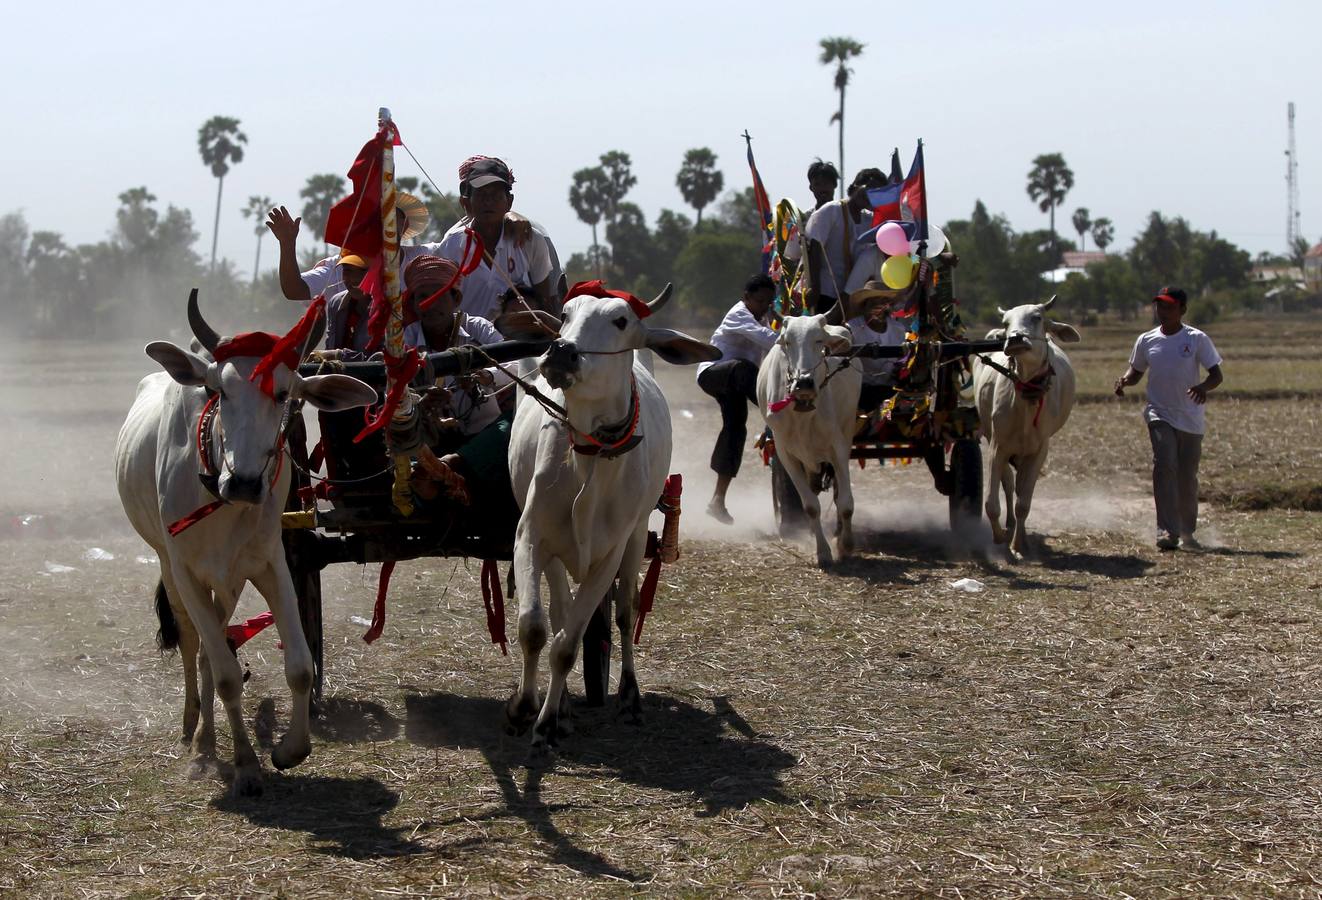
(200, 767)
(540, 756)
(246, 784)
(824, 562)
(520, 713)
(286, 757)
(630, 700)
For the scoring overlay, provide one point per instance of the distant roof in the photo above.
(1316, 251)
(1078, 259)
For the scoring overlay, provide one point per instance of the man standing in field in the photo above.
(1175, 354)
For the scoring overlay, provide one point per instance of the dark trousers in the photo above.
(733, 383)
(1175, 458)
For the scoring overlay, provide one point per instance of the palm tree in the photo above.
(1082, 222)
(840, 50)
(219, 141)
(256, 210)
(320, 193)
(1103, 233)
(619, 178)
(1048, 182)
(589, 196)
(698, 180)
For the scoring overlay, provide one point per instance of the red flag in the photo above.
(354, 224)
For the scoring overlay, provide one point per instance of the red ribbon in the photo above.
(194, 517)
(494, 601)
(777, 405)
(400, 372)
(647, 595)
(243, 632)
(379, 608)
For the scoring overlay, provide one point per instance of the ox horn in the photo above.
(835, 315)
(661, 298)
(1047, 305)
(205, 334)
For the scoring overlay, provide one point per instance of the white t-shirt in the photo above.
(1172, 363)
(526, 266)
(740, 336)
(877, 371)
(833, 228)
(326, 276)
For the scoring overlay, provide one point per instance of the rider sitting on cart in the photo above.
(464, 424)
(871, 322)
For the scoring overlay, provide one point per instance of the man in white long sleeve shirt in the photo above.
(743, 339)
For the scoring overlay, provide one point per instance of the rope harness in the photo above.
(1034, 389)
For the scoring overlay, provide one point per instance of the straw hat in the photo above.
(416, 213)
(869, 296)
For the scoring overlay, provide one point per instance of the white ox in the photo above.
(1019, 414)
(584, 514)
(815, 402)
(204, 567)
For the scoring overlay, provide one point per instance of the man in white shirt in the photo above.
(516, 259)
(743, 339)
(832, 230)
(1174, 354)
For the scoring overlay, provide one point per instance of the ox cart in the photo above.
(349, 514)
(928, 412)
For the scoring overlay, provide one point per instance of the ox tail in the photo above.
(167, 636)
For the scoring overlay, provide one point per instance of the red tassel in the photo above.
(289, 349)
(647, 595)
(494, 601)
(379, 610)
(400, 372)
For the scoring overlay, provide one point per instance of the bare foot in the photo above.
(716, 509)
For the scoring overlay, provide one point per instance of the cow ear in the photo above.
(838, 339)
(996, 334)
(679, 349)
(1066, 334)
(186, 368)
(334, 393)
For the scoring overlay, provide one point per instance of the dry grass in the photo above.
(1109, 720)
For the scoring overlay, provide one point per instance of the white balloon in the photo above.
(936, 242)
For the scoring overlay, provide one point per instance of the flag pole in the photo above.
(401, 492)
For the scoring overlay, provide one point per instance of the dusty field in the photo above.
(1107, 720)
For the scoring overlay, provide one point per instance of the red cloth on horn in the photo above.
(245, 343)
(289, 349)
(597, 288)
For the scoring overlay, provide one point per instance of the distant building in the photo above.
(1313, 269)
(1072, 261)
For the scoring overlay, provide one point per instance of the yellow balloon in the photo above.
(897, 272)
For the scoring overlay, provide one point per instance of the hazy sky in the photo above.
(1176, 106)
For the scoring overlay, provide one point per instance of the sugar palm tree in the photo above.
(589, 195)
(319, 194)
(840, 50)
(1048, 182)
(698, 179)
(256, 210)
(1082, 222)
(220, 142)
(1103, 233)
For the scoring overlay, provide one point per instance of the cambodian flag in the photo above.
(904, 202)
(763, 207)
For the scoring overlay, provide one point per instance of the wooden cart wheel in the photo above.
(966, 486)
(597, 654)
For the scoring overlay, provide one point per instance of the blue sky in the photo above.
(1175, 106)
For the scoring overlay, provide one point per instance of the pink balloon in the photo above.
(892, 240)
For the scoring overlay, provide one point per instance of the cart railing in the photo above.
(458, 361)
(949, 349)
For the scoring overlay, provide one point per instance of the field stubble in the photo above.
(1108, 719)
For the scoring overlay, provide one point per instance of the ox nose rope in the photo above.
(1031, 389)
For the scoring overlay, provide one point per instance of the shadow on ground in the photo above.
(343, 814)
(715, 757)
